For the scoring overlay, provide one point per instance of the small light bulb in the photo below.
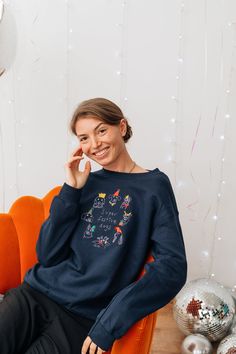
(223, 182)
(71, 30)
(212, 274)
(218, 195)
(180, 36)
(227, 115)
(219, 238)
(173, 120)
(118, 72)
(227, 91)
(19, 145)
(177, 77)
(173, 97)
(125, 99)
(205, 253)
(20, 164)
(180, 60)
(180, 184)
(118, 53)
(222, 137)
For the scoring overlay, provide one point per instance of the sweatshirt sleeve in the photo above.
(52, 245)
(163, 278)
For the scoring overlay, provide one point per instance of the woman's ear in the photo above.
(123, 126)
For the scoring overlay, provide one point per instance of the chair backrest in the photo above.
(19, 230)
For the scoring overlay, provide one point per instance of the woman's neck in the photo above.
(124, 164)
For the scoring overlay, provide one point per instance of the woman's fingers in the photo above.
(87, 167)
(73, 159)
(78, 150)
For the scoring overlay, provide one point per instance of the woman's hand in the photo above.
(74, 177)
(89, 344)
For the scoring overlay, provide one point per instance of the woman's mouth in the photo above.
(102, 152)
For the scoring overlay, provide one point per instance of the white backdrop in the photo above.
(169, 65)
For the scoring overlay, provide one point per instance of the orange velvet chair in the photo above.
(19, 229)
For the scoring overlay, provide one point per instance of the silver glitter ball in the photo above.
(204, 306)
(227, 345)
(232, 292)
(196, 344)
(232, 329)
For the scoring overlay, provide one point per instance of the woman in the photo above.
(83, 293)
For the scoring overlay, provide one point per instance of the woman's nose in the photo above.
(95, 143)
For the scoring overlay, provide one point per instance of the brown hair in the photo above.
(102, 108)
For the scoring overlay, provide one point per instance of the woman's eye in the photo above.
(100, 131)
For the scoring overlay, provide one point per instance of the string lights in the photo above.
(121, 72)
(69, 31)
(177, 99)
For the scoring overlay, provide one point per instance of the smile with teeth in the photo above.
(102, 152)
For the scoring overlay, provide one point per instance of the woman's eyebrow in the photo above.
(94, 129)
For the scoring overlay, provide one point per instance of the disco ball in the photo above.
(232, 329)
(196, 344)
(227, 345)
(204, 306)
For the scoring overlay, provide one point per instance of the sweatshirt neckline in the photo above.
(110, 173)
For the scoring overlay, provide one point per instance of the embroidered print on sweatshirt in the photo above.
(106, 219)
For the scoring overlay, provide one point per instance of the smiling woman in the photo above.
(103, 131)
(84, 293)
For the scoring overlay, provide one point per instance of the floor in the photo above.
(167, 337)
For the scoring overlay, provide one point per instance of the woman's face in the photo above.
(100, 141)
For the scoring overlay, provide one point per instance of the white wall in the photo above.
(160, 61)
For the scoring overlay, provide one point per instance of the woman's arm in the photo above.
(164, 277)
(52, 245)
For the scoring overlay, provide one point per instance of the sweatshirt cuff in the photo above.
(69, 193)
(100, 336)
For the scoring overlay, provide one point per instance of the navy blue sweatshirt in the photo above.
(94, 244)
